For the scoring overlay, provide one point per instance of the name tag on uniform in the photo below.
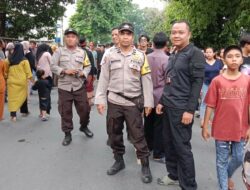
(79, 59)
(115, 61)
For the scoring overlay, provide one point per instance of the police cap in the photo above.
(70, 31)
(126, 26)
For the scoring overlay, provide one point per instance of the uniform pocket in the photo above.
(115, 65)
(64, 60)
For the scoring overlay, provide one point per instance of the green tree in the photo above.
(137, 17)
(30, 18)
(153, 22)
(95, 18)
(215, 23)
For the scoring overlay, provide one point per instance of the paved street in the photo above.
(32, 157)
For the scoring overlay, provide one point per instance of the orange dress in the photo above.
(2, 87)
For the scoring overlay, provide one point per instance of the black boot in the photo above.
(117, 166)
(67, 139)
(86, 131)
(146, 176)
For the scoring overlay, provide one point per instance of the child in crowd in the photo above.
(228, 96)
(43, 86)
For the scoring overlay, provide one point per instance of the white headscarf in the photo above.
(9, 48)
(26, 46)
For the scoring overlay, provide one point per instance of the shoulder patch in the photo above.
(145, 67)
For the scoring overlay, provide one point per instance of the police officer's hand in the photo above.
(71, 71)
(187, 118)
(147, 111)
(159, 108)
(101, 108)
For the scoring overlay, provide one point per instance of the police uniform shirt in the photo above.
(64, 59)
(124, 74)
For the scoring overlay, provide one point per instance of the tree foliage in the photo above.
(96, 18)
(215, 23)
(24, 17)
(153, 22)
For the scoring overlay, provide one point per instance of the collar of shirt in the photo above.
(186, 48)
(77, 49)
(133, 51)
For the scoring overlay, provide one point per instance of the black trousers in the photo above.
(23, 109)
(66, 100)
(116, 116)
(45, 104)
(153, 126)
(98, 73)
(179, 157)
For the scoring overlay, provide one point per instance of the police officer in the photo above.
(126, 77)
(72, 66)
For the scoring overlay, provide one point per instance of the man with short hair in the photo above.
(72, 66)
(245, 46)
(125, 81)
(143, 44)
(33, 47)
(92, 73)
(100, 54)
(153, 125)
(184, 78)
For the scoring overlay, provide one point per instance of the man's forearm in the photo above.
(194, 95)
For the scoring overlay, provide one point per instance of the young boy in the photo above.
(43, 86)
(228, 96)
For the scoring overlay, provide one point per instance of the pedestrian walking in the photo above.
(125, 81)
(19, 73)
(72, 66)
(43, 85)
(228, 97)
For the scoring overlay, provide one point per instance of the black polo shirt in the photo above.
(184, 79)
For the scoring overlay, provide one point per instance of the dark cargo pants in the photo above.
(116, 116)
(65, 102)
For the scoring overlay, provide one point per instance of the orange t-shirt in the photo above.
(231, 99)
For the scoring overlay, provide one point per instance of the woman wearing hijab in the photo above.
(8, 52)
(28, 54)
(31, 58)
(9, 49)
(18, 72)
(43, 58)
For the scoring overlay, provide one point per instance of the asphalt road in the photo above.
(32, 157)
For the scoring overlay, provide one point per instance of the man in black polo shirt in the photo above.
(184, 78)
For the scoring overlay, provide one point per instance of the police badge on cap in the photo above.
(70, 31)
(126, 26)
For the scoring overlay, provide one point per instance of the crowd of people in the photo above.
(156, 90)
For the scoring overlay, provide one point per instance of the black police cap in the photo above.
(70, 31)
(126, 26)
